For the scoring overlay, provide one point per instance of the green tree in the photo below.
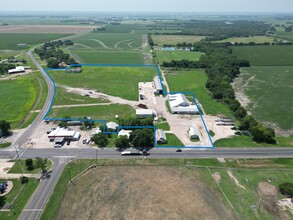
(53, 63)
(142, 138)
(24, 179)
(286, 189)
(262, 134)
(5, 127)
(122, 143)
(42, 163)
(29, 164)
(100, 139)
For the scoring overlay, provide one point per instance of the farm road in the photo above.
(102, 44)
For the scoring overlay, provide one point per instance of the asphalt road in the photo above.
(29, 131)
(90, 153)
(36, 204)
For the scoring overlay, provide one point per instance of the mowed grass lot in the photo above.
(168, 56)
(278, 55)
(10, 41)
(17, 98)
(244, 141)
(18, 198)
(270, 93)
(65, 98)
(161, 40)
(117, 81)
(103, 112)
(194, 81)
(173, 141)
(255, 39)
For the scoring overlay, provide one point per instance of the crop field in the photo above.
(279, 55)
(108, 57)
(17, 98)
(287, 35)
(168, 56)
(174, 191)
(161, 40)
(116, 81)
(10, 41)
(269, 90)
(125, 44)
(45, 29)
(101, 112)
(194, 81)
(255, 39)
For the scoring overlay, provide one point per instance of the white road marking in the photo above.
(33, 210)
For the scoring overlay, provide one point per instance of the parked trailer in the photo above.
(130, 152)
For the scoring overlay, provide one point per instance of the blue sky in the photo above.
(150, 5)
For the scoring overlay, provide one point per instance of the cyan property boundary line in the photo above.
(130, 127)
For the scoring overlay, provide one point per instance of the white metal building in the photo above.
(96, 131)
(158, 85)
(18, 69)
(124, 133)
(179, 104)
(161, 137)
(112, 126)
(193, 134)
(145, 113)
(59, 133)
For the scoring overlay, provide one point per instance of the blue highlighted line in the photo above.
(130, 127)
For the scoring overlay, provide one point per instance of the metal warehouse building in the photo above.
(60, 133)
(158, 85)
(179, 104)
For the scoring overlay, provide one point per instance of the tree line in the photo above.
(222, 67)
(4, 67)
(54, 56)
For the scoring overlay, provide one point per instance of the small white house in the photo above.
(112, 126)
(193, 133)
(18, 69)
(124, 133)
(161, 137)
(145, 113)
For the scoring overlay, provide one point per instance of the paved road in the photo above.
(29, 131)
(37, 202)
(90, 153)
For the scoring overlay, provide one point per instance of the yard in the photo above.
(116, 81)
(194, 81)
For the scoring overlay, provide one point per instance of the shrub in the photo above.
(24, 179)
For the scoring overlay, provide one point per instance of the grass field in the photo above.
(104, 112)
(20, 167)
(17, 98)
(279, 55)
(65, 98)
(244, 141)
(249, 174)
(172, 141)
(163, 125)
(18, 198)
(116, 81)
(10, 41)
(161, 40)
(255, 39)
(269, 90)
(287, 35)
(168, 56)
(194, 81)
(108, 57)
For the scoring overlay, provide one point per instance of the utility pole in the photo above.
(96, 156)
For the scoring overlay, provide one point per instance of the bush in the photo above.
(29, 164)
(24, 179)
(286, 189)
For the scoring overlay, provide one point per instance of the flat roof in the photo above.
(144, 111)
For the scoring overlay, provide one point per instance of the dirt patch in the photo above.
(235, 179)
(141, 193)
(269, 199)
(217, 177)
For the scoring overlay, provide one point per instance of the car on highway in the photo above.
(131, 152)
(178, 150)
